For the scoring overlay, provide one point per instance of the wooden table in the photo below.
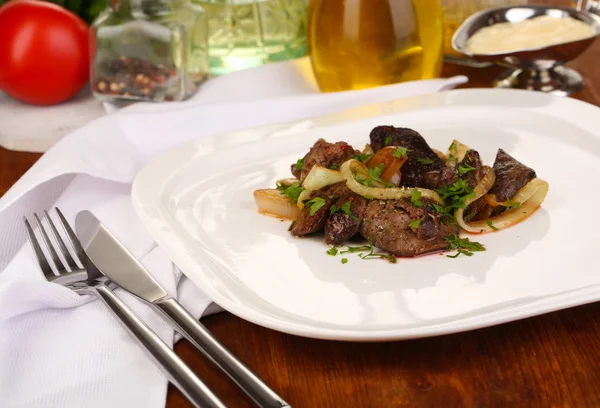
(547, 361)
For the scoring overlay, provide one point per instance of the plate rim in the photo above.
(143, 194)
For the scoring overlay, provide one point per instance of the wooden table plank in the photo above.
(550, 360)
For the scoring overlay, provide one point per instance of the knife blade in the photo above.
(115, 261)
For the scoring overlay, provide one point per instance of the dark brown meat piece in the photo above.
(387, 225)
(324, 154)
(471, 159)
(414, 172)
(404, 137)
(511, 176)
(340, 226)
(336, 190)
(307, 224)
(473, 177)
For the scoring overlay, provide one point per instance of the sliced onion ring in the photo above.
(362, 170)
(492, 201)
(457, 152)
(531, 196)
(368, 149)
(305, 195)
(271, 202)
(486, 183)
(350, 167)
(288, 181)
(441, 155)
(320, 177)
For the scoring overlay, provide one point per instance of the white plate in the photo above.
(197, 203)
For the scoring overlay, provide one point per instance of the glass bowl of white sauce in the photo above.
(533, 42)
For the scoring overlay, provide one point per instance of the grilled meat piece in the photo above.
(511, 176)
(336, 190)
(342, 226)
(387, 225)
(405, 137)
(414, 172)
(473, 177)
(324, 154)
(307, 224)
(471, 159)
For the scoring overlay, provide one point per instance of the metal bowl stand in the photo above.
(537, 69)
(558, 80)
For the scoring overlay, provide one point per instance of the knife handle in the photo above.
(172, 366)
(212, 348)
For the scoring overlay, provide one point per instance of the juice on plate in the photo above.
(356, 44)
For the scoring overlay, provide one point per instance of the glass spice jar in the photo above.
(249, 33)
(148, 50)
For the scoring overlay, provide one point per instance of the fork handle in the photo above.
(173, 367)
(212, 348)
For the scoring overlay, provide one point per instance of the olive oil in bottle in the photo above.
(356, 44)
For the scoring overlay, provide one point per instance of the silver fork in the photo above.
(74, 270)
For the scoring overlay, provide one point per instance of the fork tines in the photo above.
(57, 257)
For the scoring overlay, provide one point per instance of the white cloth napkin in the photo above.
(61, 350)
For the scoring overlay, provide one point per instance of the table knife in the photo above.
(120, 266)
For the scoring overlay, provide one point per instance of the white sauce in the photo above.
(533, 33)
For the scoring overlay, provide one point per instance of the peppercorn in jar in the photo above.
(148, 50)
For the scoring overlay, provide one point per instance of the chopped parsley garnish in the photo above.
(377, 255)
(368, 197)
(387, 141)
(415, 198)
(512, 204)
(453, 148)
(447, 214)
(464, 246)
(439, 208)
(344, 207)
(455, 194)
(356, 249)
(334, 167)
(292, 191)
(465, 168)
(373, 175)
(415, 223)
(344, 260)
(370, 249)
(488, 222)
(299, 164)
(332, 251)
(400, 152)
(364, 181)
(315, 205)
(362, 157)
(425, 160)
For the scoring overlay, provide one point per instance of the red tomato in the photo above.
(43, 52)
